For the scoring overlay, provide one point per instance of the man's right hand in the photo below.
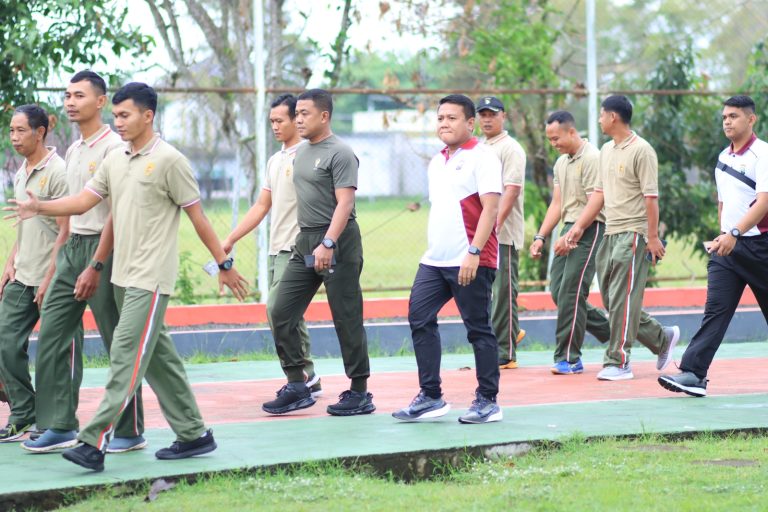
(561, 247)
(23, 209)
(573, 236)
(535, 249)
(9, 274)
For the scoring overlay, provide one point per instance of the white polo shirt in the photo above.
(751, 162)
(455, 186)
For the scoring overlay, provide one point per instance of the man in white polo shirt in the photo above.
(738, 255)
(460, 263)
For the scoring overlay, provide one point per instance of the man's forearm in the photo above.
(551, 219)
(755, 214)
(507, 202)
(69, 205)
(340, 218)
(106, 242)
(652, 211)
(590, 211)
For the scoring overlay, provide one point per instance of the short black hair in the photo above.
(620, 105)
(142, 95)
(321, 98)
(741, 101)
(36, 116)
(98, 83)
(562, 117)
(289, 100)
(462, 101)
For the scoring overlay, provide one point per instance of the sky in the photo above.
(324, 20)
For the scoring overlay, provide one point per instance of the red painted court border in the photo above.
(253, 313)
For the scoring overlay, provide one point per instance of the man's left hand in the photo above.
(323, 258)
(468, 269)
(87, 283)
(723, 245)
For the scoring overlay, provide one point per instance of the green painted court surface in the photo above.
(537, 406)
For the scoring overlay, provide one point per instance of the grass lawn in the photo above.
(702, 474)
(394, 238)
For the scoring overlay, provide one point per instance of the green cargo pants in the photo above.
(298, 286)
(277, 265)
(504, 306)
(622, 270)
(142, 348)
(59, 362)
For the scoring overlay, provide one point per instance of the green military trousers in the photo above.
(59, 364)
(18, 316)
(622, 270)
(142, 348)
(504, 306)
(277, 265)
(298, 286)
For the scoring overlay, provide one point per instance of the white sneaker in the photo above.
(665, 356)
(616, 373)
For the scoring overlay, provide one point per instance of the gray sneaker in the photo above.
(685, 382)
(423, 407)
(665, 356)
(616, 373)
(482, 410)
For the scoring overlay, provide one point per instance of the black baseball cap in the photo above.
(490, 103)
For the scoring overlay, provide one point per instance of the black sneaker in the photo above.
(291, 397)
(351, 403)
(87, 456)
(14, 431)
(685, 382)
(185, 449)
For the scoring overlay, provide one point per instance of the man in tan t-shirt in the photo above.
(628, 187)
(31, 264)
(509, 228)
(279, 196)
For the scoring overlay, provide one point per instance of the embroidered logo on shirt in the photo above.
(459, 165)
(43, 181)
(317, 162)
(91, 167)
(288, 170)
(149, 168)
(620, 170)
(743, 169)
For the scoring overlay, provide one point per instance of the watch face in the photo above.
(328, 243)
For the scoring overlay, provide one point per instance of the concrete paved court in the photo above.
(537, 406)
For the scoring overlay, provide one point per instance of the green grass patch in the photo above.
(706, 473)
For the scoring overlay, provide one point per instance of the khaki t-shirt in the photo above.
(512, 156)
(37, 236)
(318, 170)
(279, 181)
(576, 176)
(83, 158)
(628, 174)
(148, 190)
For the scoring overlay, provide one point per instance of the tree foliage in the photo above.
(41, 37)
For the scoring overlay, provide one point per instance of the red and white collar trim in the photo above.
(147, 149)
(97, 137)
(470, 144)
(626, 142)
(744, 148)
(44, 162)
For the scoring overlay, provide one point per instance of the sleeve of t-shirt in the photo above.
(99, 183)
(344, 167)
(590, 170)
(761, 173)
(488, 174)
(182, 185)
(556, 170)
(513, 167)
(647, 166)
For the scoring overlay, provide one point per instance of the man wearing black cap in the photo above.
(509, 228)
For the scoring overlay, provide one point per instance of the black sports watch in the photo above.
(227, 264)
(735, 232)
(97, 265)
(474, 251)
(328, 243)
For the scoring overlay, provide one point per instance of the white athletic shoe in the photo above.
(616, 373)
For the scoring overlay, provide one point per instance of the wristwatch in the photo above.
(474, 251)
(227, 264)
(735, 232)
(97, 265)
(539, 237)
(328, 243)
